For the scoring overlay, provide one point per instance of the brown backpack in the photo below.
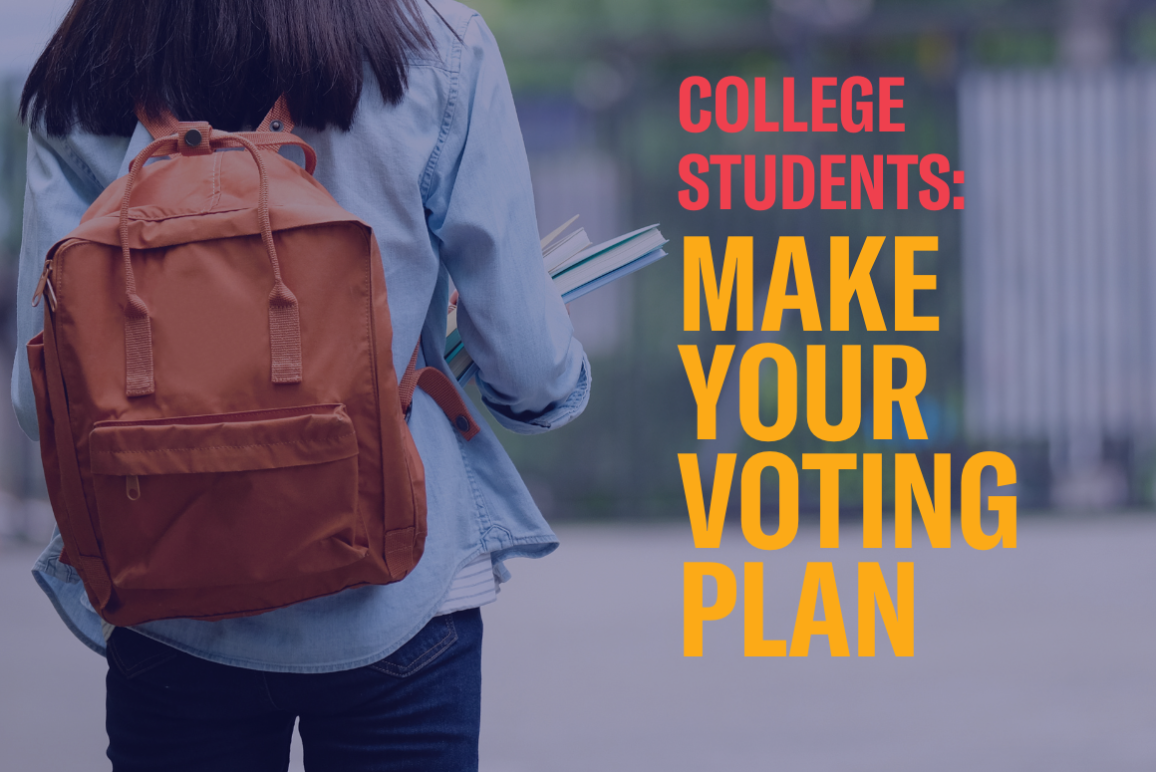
(221, 424)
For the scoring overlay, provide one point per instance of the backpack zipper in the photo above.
(45, 284)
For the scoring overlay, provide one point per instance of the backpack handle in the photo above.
(267, 139)
(273, 132)
(284, 317)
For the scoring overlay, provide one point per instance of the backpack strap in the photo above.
(436, 384)
(272, 133)
(165, 124)
(278, 118)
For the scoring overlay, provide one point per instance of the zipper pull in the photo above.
(45, 284)
(132, 487)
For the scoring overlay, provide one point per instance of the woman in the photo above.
(408, 108)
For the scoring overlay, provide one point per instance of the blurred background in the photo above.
(1027, 659)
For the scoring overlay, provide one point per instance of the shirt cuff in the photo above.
(559, 415)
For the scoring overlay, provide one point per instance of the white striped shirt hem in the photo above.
(474, 585)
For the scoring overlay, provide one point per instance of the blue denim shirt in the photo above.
(442, 179)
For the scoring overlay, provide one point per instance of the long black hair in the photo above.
(223, 61)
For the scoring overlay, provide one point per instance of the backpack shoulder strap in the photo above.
(278, 118)
(436, 384)
(165, 124)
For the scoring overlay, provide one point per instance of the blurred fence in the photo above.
(1059, 273)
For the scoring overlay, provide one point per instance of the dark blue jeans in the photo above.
(417, 709)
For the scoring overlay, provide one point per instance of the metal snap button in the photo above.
(192, 137)
(463, 423)
(275, 126)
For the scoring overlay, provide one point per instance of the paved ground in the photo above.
(1039, 658)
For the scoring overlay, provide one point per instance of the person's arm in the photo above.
(65, 175)
(532, 372)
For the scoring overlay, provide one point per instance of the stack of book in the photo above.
(577, 267)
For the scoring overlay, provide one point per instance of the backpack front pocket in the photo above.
(228, 499)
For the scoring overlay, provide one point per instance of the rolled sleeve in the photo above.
(532, 372)
(555, 416)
